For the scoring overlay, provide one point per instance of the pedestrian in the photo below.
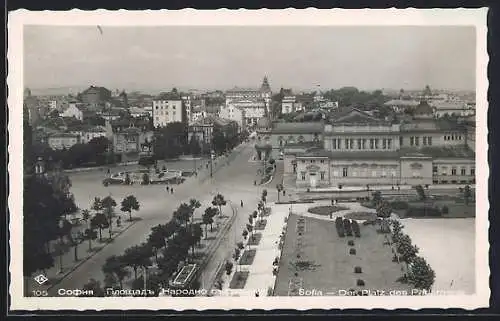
(333, 202)
(171, 190)
(284, 192)
(254, 182)
(256, 293)
(167, 188)
(242, 203)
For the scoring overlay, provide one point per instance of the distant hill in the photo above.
(56, 91)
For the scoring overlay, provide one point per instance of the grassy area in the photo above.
(326, 266)
(248, 257)
(326, 210)
(361, 216)
(239, 280)
(255, 239)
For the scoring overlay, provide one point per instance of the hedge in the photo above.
(423, 211)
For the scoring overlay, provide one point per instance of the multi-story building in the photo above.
(361, 150)
(167, 108)
(130, 143)
(288, 104)
(62, 140)
(92, 132)
(203, 130)
(452, 108)
(235, 114)
(95, 97)
(254, 103)
(75, 110)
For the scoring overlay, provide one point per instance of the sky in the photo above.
(221, 57)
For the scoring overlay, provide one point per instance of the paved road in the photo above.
(234, 181)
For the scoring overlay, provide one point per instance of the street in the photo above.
(234, 181)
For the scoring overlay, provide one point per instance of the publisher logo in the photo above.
(40, 279)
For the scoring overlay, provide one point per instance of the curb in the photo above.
(76, 266)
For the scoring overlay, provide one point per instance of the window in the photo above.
(322, 175)
(334, 143)
(434, 169)
(453, 137)
(303, 175)
(462, 171)
(346, 143)
(472, 172)
(412, 141)
(453, 171)
(363, 143)
(460, 137)
(424, 140)
(389, 143)
(359, 143)
(417, 141)
(303, 161)
(372, 143)
(384, 143)
(376, 143)
(429, 140)
(322, 161)
(313, 161)
(344, 172)
(339, 143)
(445, 137)
(400, 141)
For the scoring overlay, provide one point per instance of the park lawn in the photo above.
(455, 209)
(247, 257)
(239, 280)
(333, 266)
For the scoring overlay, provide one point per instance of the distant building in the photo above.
(93, 132)
(139, 112)
(400, 105)
(235, 114)
(130, 143)
(76, 110)
(452, 108)
(167, 108)
(203, 130)
(95, 97)
(62, 140)
(288, 104)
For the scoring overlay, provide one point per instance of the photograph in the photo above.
(250, 159)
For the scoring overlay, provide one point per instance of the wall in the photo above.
(424, 174)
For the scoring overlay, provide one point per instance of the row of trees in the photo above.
(418, 271)
(167, 247)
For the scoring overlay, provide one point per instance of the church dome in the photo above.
(264, 123)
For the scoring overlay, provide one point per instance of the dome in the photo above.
(264, 123)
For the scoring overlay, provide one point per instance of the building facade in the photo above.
(360, 150)
(167, 108)
(131, 143)
(62, 140)
(95, 97)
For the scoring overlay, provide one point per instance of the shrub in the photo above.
(347, 227)
(423, 211)
(357, 269)
(355, 228)
(229, 267)
(350, 243)
(352, 251)
(360, 282)
(399, 205)
(445, 210)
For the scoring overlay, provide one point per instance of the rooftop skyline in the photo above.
(221, 57)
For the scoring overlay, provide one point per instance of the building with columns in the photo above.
(361, 150)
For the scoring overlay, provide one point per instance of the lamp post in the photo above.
(61, 226)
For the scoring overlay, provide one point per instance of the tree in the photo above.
(250, 228)
(97, 204)
(245, 234)
(196, 234)
(115, 266)
(194, 204)
(467, 194)
(128, 181)
(86, 216)
(279, 188)
(376, 198)
(183, 214)
(100, 222)
(90, 234)
(128, 204)
(137, 256)
(210, 213)
(194, 146)
(420, 274)
(420, 192)
(94, 289)
(406, 249)
(219, 201)
(157, 239)
(207, 219)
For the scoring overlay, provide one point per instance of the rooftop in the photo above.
(402, 102)
(297, 128)
(168, 96)
(441, 151)
(448, 105)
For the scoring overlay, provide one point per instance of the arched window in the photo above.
(301, 139)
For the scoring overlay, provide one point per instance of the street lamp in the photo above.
(61, 226)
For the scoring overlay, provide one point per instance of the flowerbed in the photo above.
(255, 239)
(248, 257)
(326, 210)
(239, 280)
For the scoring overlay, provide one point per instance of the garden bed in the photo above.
(326, 210)
(255, 239)
(239, 280)
(260, 225)
(364, 216)
(248, 257)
